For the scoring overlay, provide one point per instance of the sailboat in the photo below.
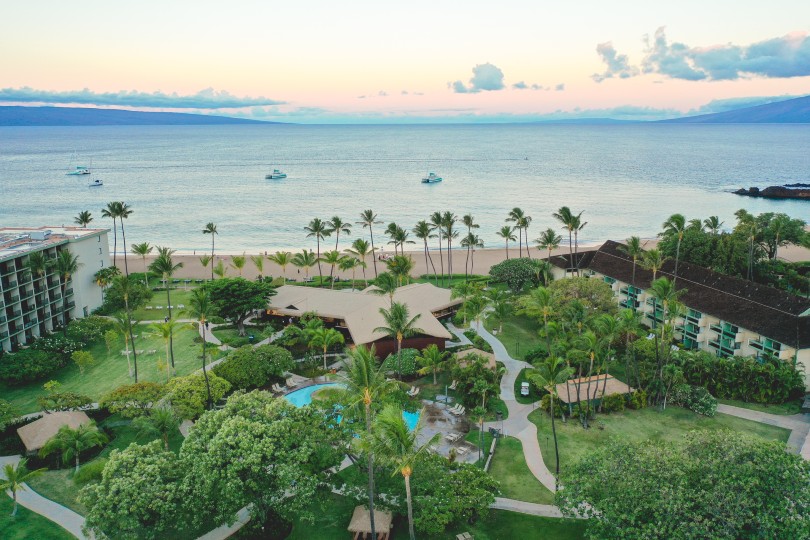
(79, 170)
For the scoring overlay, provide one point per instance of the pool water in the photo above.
(302, 397)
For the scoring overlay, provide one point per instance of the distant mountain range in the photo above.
(790, 111)
(76, 116)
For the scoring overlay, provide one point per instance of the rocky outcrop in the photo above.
(777, 192)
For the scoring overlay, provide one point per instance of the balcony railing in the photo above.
(29, 324)
(15, 314)
(3, 335)
(764, 347)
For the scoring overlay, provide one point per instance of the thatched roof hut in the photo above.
(37, 433)
(612, 386)
(360, 524)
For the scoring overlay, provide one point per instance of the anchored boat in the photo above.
(431, 178)
(276, 175)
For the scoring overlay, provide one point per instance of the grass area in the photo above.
(429, 391)
(454, 279)
(124, 434)
(519, 335)
(650, 423)
(179, 295)
(473, 437)
(58, 486)
(517, 481)
(27, 524)
(534, 393)
(110, 370)
(791, 407)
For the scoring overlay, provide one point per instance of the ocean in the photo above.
(626, 178)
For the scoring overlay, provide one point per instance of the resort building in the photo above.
(358, 315)
(30, 304)
(725, 315)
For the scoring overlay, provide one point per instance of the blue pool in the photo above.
(302, 397)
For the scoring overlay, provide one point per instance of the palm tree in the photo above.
(164, 266)
(16, 477)
(143, 249)
(83, 219)
(516, 216)
(362, 249)
(219, 270)
(211, 229)
(424, 231)
(633, 248)
(324, 338)
(124, 211)
(111, 211)
(386, 283)
(66, 264)
(432, 360)
(319, 230)
(166, 330)
(399, 325)
(573, 224)
(629, 326)
(501, 306)
(258, 262)
(464, 291)
(368, 219)
(713, 224)
(72, 442)
(752, 230)
(337, 226)
(391, 232)
(675, 225)
(437, 224)
(549, 240)
(332, 258)
(470, 223)
(471, 241)
(777, 227)
(538, 304)
(398, 446)
(507, 232)
(201, 308)
(664, 291)
(122, 323)
(306, 260)
(653, 260)
(548, 374)
(523, 224)
(38, 264)
(400, 267)
(351, 263)
(283, 258)
(205, 260)
(161, 421)
(449, 220)
(365, 384)
(238, 262)
(589, 344)
(104, 278)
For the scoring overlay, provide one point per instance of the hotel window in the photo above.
(99, 251)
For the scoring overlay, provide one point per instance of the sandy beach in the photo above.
(483, 259)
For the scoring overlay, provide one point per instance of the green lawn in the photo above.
(517, 481)
(455, 279)
(534, 393)
(650, 423)
(27, 524)
(179, 295)
(58, 486)
(474, 437)
(519, 336)
(110, 370)
(332, 519)
(791, 407)
(429, 391)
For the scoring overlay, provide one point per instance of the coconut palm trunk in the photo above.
(370, 474)
(407, 476)
(556, 447)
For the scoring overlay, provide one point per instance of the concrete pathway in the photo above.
(533, 509)
(798, 424)
(209, 336)
(464, 340)
(226, 531)
(30, 499)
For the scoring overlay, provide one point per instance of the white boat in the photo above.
(431, 178)
(79, 170)
(95, 183)
(276, 175)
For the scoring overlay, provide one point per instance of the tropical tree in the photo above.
(164, 266)
(236, 298)
(713, 224)
(72, 442)
(516, 216)
(471, 241)
(351, 263)
(122, 324)
(142, 250)
(166, 330)
(202, 308)
(547, 375)
(318, 229)
(83, 219)
(368, 219)
(400, 266)
(205, 260)
(398, 325)
(633, 249)
(432, 360)
(438, 226)
(258, 262)
(238, 263)
(111, 211)
(211, 228)
(104, 278)
(284, 258)
(66, 264)
(364, 386)
(507, 232)
(470, 223)
(332, 258)
(465, 291)
(538, 304)
(502, 306)
(653, 260)
(15, 479)
(38, 264)
(337, 226)
(548, 240)
(573, 224)
(424, 231)
(324, 338)
(675, 225)
(124, 211)
(306, 260)
(161, 421)
(386, 284)
(362, 249)
(398, 446)
(220, 270)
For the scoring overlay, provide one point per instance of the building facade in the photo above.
(31, 304)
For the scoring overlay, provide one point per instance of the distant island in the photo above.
(79, 116)
(788, 191)
(790, 111)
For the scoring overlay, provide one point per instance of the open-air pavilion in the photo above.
(360, 524)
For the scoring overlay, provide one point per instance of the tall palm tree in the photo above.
(365, 385)
(470, 223)
(161, 421)
(104, 278)
(111, 211)
(306, 260)
(633, 248)
(201, 308)
(777, 227)
(653, 260)
(220, 270)
(385, 284)
(465, 291)
(573, 224)
(332, 258)
(548, 374)
(713, 224)
(629, 326)
(398, 446)
(83, 219)
(324, 338)
(258, 262)
(164, 266)
(398, 325)
(362, 249)
(205, 260)
(752, 230)
(502, 306)
(471, 242)
(211, 228)
(449, 220)
(548, 240)
(507, 232)
(166, 330)
(675, 225)
(238, 263)
(391, 233)
(142, 250)
(337, 226)
(38, 264)
(523, 224)
(432, 360)
(124, 211)
(590, 345)
(400, 267)
(122, 324)
(516, 216)
(72, 442)
(368, 219)
(66, 264)
(351, 263)
(284, 258)
(667, 294)
(424, 231)
(436, 222)
(320, 230)
(16, 477)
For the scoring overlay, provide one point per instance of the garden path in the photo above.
(459, 334)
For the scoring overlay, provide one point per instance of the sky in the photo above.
(361, 61)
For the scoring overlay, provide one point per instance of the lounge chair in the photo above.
(158, 307)
(453, 437)
(453, 385)
(290, 383)
(415, 392)
(461, 450)
(149, 307)
(454, 407)
(459, 412)
(277, 389)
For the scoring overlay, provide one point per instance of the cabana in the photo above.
(612, 386)
(37, 433)
(360, 524)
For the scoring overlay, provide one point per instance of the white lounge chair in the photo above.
(149, 308)
(413, 392)
(460, 411)
(454, 407)
(452, 385)
(277, 389)
(461, 450)
(290, 383)
(453, 437)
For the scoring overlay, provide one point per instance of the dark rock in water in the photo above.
(776, 192)
(797, 185)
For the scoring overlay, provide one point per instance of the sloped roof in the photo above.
(37, 433)
(361, 310)
(361, 521)
(612, 386)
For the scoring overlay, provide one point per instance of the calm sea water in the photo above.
(627, 179)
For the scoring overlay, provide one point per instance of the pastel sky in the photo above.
(378, 61)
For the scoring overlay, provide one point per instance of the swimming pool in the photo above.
(302, 397)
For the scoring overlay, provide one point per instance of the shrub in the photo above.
(545, 404)
(253, 367)
(7, 414)
(216, 319)
(637, 400)
(28, 365)
(132, 400)
(516, 273)
(694, 398)
(478, 341)
(188, 394)
(536, 354)
(408, 364)
(63, 401)
(57, 344)
(458, 319)
(90, 472)
(613, 403)
(89, 329)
